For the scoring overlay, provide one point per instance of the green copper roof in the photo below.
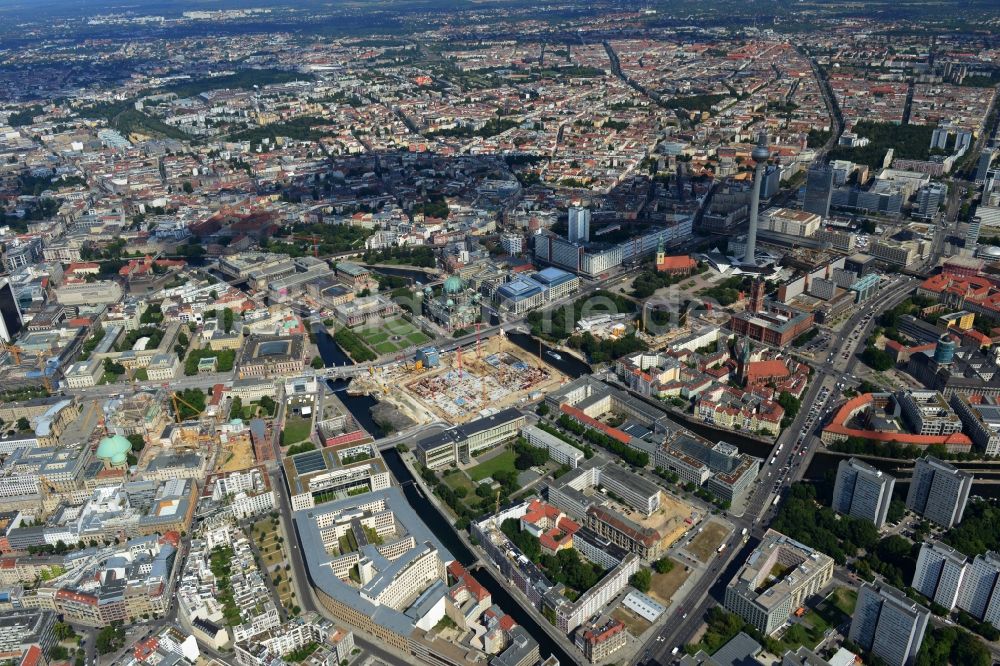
(114, 448)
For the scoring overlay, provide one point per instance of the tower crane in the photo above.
(14, 351)
(312, 239)
(46, 380)
(177, 411)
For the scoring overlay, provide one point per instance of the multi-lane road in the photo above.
(788, 467)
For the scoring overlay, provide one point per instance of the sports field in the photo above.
(391, 336)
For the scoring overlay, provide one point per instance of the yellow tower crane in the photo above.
(14, 350)
(177, 411)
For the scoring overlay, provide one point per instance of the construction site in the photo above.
(465, 384)
(237, 452)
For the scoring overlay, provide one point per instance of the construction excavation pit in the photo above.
(465, 384)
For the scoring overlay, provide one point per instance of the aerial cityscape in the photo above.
(500, 334)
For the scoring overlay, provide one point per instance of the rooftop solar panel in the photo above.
(311, 461)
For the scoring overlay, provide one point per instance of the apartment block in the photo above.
(940, 573)
(981, 417)
(889, 624)
(928, 413)
(559, 451)
(979, 596)
(939, 491)
(862, 491)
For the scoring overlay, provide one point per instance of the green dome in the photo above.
(114, 449)
(453, 285)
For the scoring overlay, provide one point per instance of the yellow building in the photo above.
(962, 320)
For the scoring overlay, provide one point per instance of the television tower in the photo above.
(760, 154)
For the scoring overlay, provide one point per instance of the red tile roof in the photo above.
(32, 656)
(474, 586)
(838, 426)
(766, 370)
(580, 416)
(677, 263)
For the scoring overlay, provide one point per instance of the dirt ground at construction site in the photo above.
(673, 518)
(235, 453)
(499, 375)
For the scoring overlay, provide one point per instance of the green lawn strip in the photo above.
(399, 326)
(845, 599)
(459, 480)
(500, 462)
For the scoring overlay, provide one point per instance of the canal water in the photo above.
(358, 405)
(566, 364)
(415, 277)
(441, 526)
(360, 408)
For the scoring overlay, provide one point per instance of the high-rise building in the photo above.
(759, 155)
(512, 244)
(929, 199)
(889, 624)
(985, 159)
(963, 140)
(579, 225)
(979, 595)
(940, 573)
(819, 190)
(939, 138)
(772, 181)
(10, 314)
(938, 491)
(972, 235)
(862, 491)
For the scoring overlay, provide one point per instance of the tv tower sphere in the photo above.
(760, 152)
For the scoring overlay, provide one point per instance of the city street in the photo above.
(709, 590)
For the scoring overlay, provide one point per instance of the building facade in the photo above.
(766, 601)
(889, 624)
(940, 573)
(862, 491)
(938, 491)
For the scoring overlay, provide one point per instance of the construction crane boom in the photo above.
(313, 239)
(177, 412)
(14, 351)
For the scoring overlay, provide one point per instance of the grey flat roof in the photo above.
(318, 560)
(462, 432)
(640, 485)
(739, 651)
(168, 460)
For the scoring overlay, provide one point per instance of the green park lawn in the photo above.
(296, 430)
(499, 462)
(382, 339)
(459, 480)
